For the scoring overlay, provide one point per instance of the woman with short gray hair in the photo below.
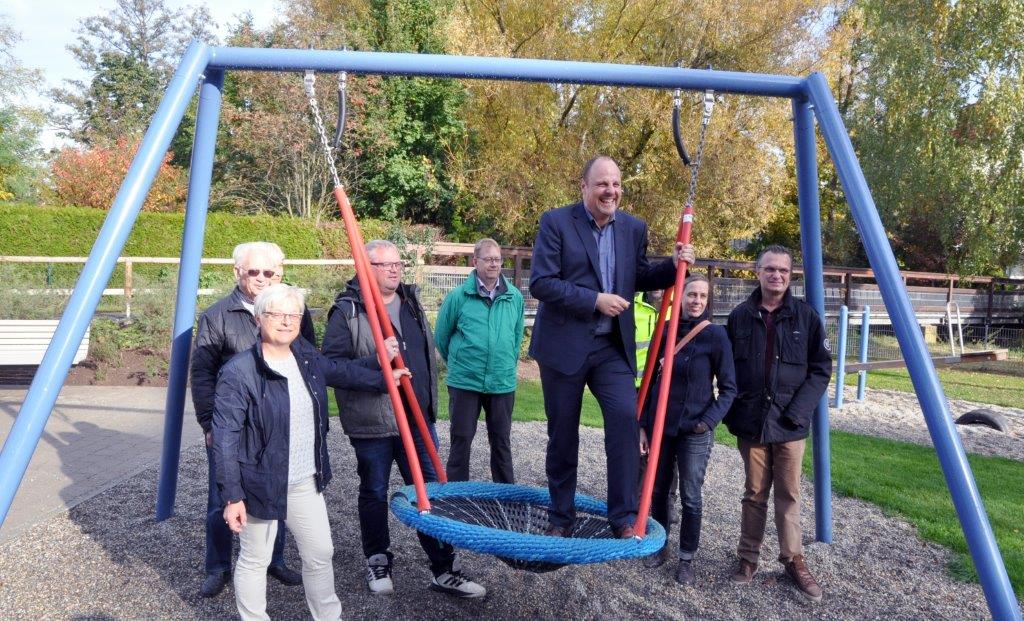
(269, 436)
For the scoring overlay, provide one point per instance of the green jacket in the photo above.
(480, 339)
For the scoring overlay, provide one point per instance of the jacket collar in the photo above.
(237, 300)
(787, 308)
(585, 231)
(469, 286)
(298, 350)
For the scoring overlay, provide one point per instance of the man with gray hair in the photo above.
(225, 329)
(478, 332)
(370, 423)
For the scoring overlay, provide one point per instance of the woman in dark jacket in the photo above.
(691, 416)
(269, 437)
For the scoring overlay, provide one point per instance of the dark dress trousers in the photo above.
(565, 278)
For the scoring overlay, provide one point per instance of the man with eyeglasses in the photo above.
(783, 366)
(225, 329)
(479, 330)
(369, 420)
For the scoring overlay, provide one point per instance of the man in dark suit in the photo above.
(588, 261)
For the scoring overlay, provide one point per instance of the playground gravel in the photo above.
(897, 415)
(108, 559)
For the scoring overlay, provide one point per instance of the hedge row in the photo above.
(30, 230)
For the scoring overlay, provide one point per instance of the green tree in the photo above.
(130, 54)
(413, 127)
(20, 125)
(936, 120)
(528, 141)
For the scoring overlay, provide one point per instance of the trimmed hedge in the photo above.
(30, 230)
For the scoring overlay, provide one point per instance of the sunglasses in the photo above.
(266, 273)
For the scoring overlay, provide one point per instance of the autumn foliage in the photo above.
(91, 177)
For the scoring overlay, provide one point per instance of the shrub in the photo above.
(92, 177)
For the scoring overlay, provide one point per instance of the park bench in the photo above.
(23, 343)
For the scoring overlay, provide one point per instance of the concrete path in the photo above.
(96, 437)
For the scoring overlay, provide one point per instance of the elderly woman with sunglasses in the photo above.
(269, 437)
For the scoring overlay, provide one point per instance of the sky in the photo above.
(48, 26)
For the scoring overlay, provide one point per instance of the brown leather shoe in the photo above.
(744, 574)
(626, 532)
(557, 531)
(797, 571)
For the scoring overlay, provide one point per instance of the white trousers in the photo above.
(307, 522)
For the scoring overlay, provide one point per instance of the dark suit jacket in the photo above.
(565, 278)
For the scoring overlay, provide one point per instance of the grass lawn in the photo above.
(903, 479)
(959, 383)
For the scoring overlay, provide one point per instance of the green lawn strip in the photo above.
(903, 479)
(994, 388)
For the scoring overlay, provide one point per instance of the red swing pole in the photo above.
(399, 362)
(659, 327)
(647, 491)
(683, 236)
(368, 286)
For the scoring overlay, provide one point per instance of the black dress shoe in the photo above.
(284, 575)
(657, 559)
(684, 573)
(557, 531)
(214, 583)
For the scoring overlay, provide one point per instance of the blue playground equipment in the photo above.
(205, 66)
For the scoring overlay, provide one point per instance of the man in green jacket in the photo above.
(478, 333)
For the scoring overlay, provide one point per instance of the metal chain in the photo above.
(309, 82)
(709, 106)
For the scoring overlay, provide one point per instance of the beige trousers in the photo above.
(307, 522)
(766, 465)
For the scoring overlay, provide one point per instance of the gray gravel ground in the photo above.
(107, 559)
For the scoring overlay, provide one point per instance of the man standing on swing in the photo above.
(588, 261)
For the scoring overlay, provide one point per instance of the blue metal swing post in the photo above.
(196, 207)
(981, 541)
(81, 306)
(814, 292)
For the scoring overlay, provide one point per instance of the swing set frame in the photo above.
(811, 100)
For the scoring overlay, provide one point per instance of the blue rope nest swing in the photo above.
(508, 521)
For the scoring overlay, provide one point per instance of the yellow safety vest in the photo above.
(645, 316)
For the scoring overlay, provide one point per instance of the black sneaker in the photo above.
(378, 575)
(455, 583)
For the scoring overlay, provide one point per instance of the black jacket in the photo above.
(225, 329)
(691, 397)
(782, 410)
(348, 336)
(251, 418)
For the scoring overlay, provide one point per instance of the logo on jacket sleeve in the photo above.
(827, 345)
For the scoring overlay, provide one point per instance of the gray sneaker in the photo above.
(378, 575)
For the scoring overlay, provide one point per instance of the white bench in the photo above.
(23, 342)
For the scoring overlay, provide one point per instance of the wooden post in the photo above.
(127, 288)
(847, 278)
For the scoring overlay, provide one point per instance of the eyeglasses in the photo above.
(492, 260)
(389, 265)
(279, 317)
(266, 273)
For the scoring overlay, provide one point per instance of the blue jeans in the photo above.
(691, 452)
(374, 457)
(218, 535)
